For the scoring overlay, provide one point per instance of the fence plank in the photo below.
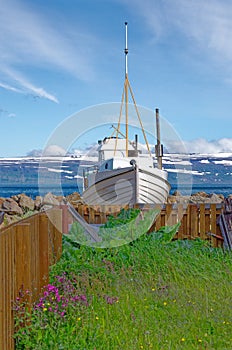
(44, 251)
(202, 221)
(180, 213)
(193, 229)
(92, 214)
(213, 223)
(34, 232)
(22, 257)
(213, 218)
(57, 243)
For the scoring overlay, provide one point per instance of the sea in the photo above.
(187, 173)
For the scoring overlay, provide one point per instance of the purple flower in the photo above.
(110, 300)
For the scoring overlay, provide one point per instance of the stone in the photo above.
(74, 198)
(200, 194)
(11, 207)
(16, 197)
(177, 193)
(10, 219)
(202, 197)
(177, 199)
(216, 198)
(26, 203)
(50, 199)
(38, 202)
(1, 201)
(198, 197)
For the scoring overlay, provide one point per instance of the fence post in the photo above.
(64, 208)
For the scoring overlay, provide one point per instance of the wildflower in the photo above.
(174, 300)
(79, 318)
(97, 318)
(199, 340)
(165, 303)
(153, 289)
(182, 339)
(111, 300)
(44, 309)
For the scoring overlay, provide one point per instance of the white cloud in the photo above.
(10, 88)
(26, 87)
(11, 115)
(200, 145)
(54, 150)
(29, 39)
(203, 146)
(5, 113)
(208, 23)
(35, 153)
(205, 24)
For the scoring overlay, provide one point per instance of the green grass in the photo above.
(126, 227)
(148, 294)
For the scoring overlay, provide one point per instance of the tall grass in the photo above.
(148, 294)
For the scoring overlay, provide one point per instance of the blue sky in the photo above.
(61, 56)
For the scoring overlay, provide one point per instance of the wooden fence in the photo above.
(27, 249)
(30, 246)
(197, 220)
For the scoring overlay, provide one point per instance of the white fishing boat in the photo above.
(123, 174)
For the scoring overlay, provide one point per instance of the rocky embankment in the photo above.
(198, 197)
(19, 206)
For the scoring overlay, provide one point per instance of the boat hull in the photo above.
(128, 186)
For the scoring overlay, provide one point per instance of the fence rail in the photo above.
(30, 246)
(27, 249)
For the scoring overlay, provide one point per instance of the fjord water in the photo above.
(208, 173)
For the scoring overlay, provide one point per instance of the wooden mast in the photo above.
(159, 146)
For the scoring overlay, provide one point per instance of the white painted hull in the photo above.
(128, 186)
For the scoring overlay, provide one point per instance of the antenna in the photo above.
(124, 102)
(126, 49)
